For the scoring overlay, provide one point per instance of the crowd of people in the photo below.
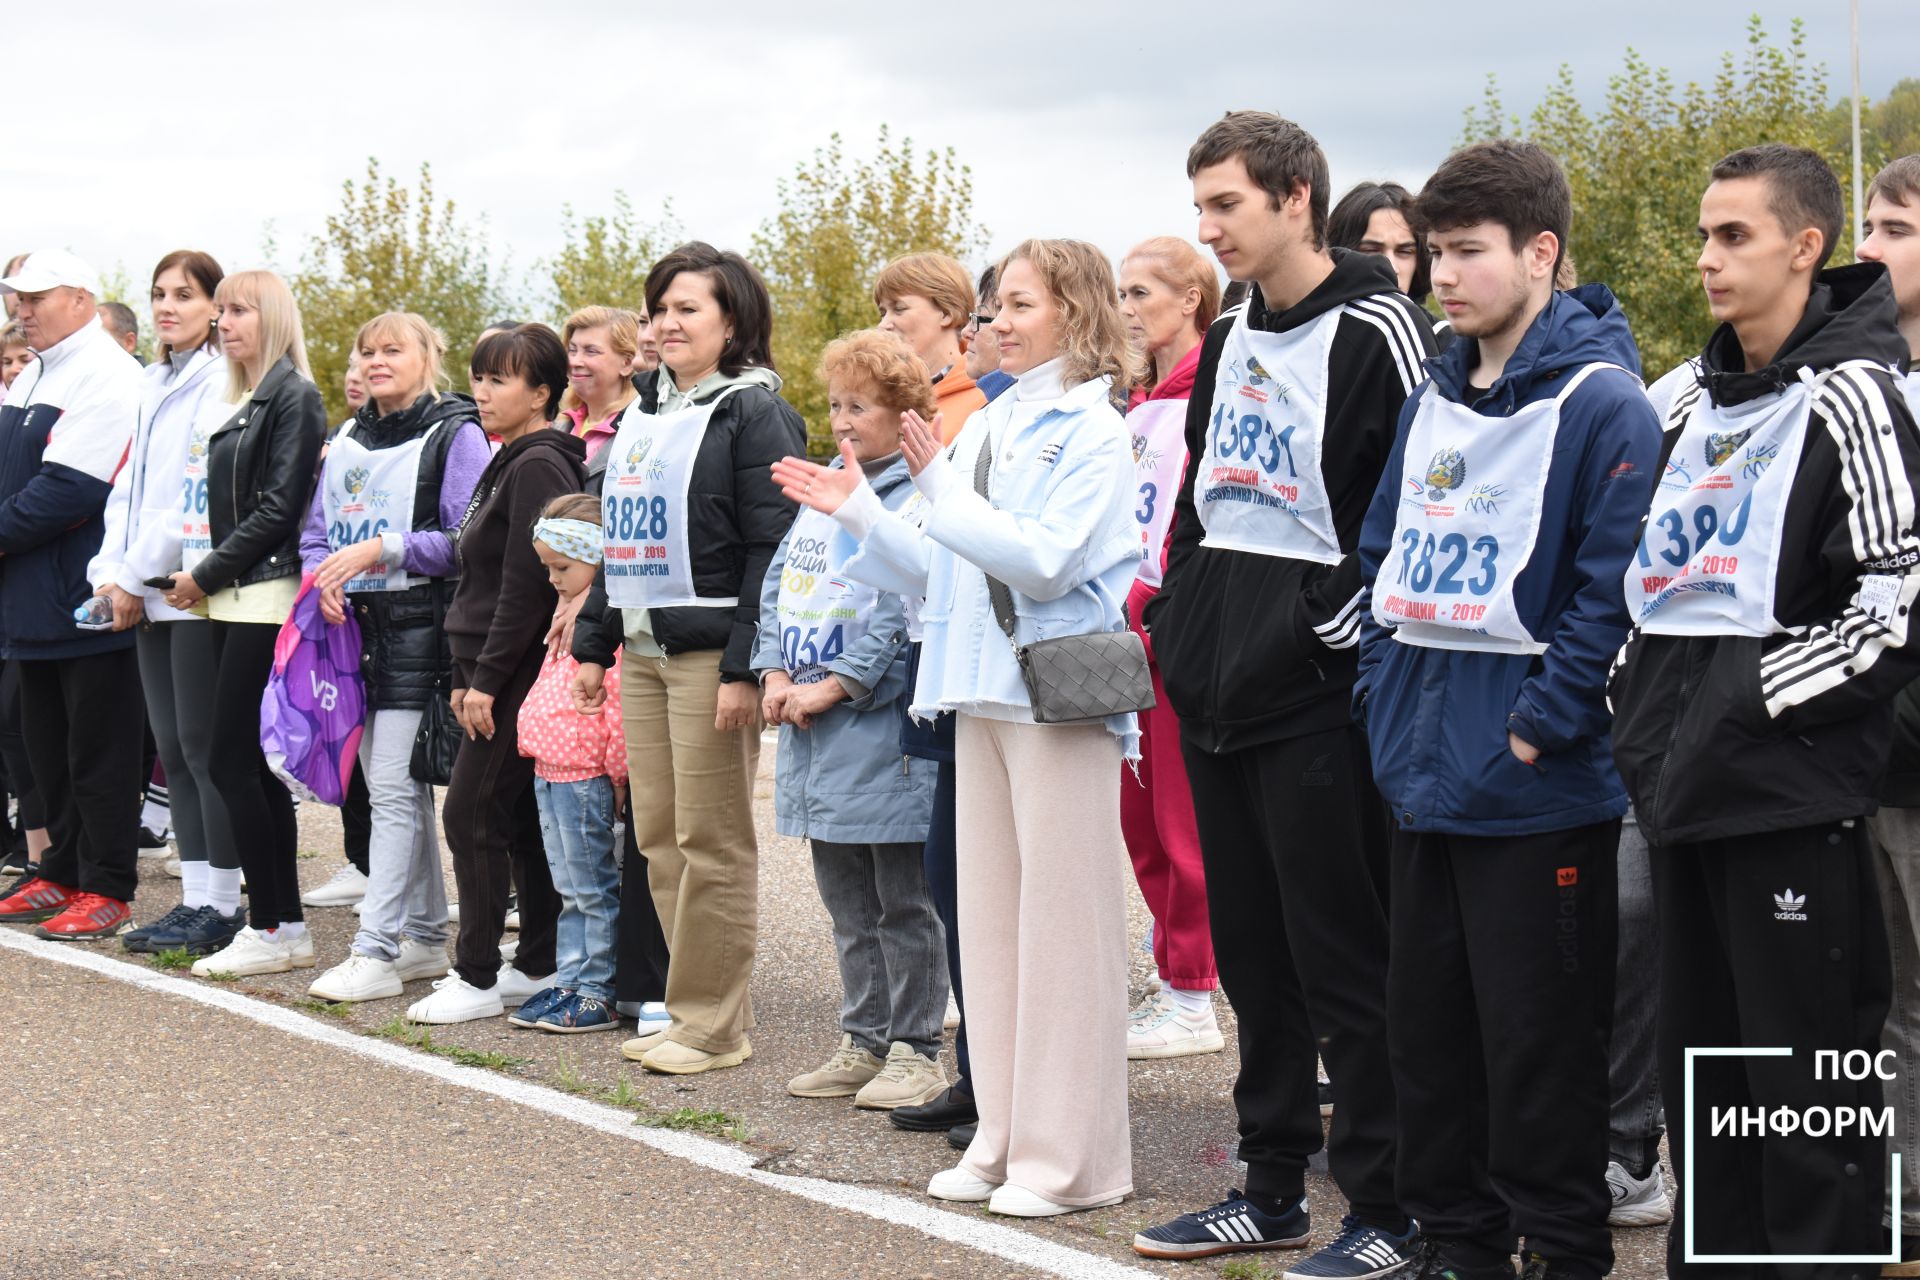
(1490, 725)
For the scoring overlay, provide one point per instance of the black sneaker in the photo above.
(1235, 1225)
(1433, 1261)
(1359, 1252)
(960, 1137)
(15, 863)
(209, 931)
(167, 926)
(152, 839)
(1539, 1268)
(949, 1109)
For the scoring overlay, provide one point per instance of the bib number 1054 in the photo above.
(1436, 564)
(806, 649)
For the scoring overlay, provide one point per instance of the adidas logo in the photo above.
(1789, 906)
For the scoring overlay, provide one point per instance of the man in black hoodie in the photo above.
(1291, 422)
(1772, 595)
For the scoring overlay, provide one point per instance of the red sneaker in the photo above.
(88, 915)
(34, 901)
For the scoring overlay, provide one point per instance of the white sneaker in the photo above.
(512, 922)
(508, 950)
(453, 912)
(172, 866)
(1015, 1201)
(252, 953)
(357, 977)
(952, 1019)
(346, 888)
(516, 986)
(1637, 1202)
(958, 1185)
(454, 1001)
(1173, 1034)
(417, 960)
(1152, 1004)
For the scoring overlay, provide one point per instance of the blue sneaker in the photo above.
(1235, 1225)
(1359, 1252)
(538, 1003)
(209, 931)
(575, 1013)
(162, 934)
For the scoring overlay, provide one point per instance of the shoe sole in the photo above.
(383, 994)
(329, 902)
(718, 1062)
(90, 935)
(919, 1101)
(1188, 1049)
(573, 1031)
(439, 1020)
(968, 1198)
(831, 1091)
(257, 971)
(635, 1054)
(1213, 1248)
(1659, 1217)
(31, 917)
(1052, 1210)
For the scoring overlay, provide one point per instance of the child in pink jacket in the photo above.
(580, 767)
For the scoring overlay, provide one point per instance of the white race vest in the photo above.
(820, 612)
(1471, 492)
(1159, 431)
(1709, 554)
(366, 492)
(649, 468)
(1259, 486)
(196, 531)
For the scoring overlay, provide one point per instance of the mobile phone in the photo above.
(159, 584)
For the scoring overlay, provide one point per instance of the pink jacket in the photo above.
(565, 745)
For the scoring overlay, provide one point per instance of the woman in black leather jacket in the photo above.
(258, 468)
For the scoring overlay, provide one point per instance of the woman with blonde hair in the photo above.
(1031, 517)
(252, 453)
(602, 345)
(397, 481)
(927, 298)
(1169, 294)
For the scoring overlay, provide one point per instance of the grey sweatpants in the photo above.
(892, 950)
(406, 891)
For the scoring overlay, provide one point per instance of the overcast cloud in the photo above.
(141, 128)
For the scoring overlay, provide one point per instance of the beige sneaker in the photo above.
(1172, 1034)
(908, 1079)
(840, 1076)
(670, 1057)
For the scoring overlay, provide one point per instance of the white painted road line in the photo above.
(987, 1237)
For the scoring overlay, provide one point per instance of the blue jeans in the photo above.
(576, 825)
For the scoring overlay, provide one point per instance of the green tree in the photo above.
(605, 258)
(838, 223)
(1638, 164)
(394, 249)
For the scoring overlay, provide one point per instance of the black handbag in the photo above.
(437, 742)
(1071, 679)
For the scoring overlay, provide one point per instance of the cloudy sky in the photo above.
(144, 127)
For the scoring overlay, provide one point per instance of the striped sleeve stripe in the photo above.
(1403, 339)
(1880, 521)
(1342, 630)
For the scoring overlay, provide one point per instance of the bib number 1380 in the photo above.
(1683, 541)
(1436, 564)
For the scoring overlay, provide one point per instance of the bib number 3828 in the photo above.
(641, 517)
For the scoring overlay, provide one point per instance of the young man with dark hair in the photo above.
(1289, 427)
(1893, 240)
(1494, 549)
(1772, 596)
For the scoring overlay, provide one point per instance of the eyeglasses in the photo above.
(982, 322)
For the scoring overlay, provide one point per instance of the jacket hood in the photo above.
(1577, 327)
(555, 437)
(1178, 384)
(1355, 276)
(710, 386)
(377, 432)
(1850, 315)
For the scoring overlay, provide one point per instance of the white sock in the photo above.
(154, 814)
(291, 931)
(193, 883)
(1191, 1003)
(222, 886)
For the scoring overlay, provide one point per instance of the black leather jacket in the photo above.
(261, 466)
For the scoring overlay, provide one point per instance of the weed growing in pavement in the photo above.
(400, 1030)
(688, 1118)
(307, 853)
(221, 975)
(567, 1077)
(326, 1008)
(1247, 1269)
(623, 1094)
(173, 958)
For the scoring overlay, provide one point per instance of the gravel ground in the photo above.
(259, 1145)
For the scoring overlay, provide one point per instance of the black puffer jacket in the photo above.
(1721, 736)
(736, 519)
(404, 656)
(261, 465)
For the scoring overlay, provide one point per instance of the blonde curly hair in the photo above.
(1093, 338)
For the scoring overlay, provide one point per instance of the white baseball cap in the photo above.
(49, 269)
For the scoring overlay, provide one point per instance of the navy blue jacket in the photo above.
(1438, 719)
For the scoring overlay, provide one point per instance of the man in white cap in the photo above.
(64, 432)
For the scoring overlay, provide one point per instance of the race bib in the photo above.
(649, 562)
(366, 492)
(820, 612)
(1159, 432)
(196, 529)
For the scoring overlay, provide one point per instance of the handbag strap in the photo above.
(997, 592)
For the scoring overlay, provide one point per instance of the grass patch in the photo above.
(305, 854)
(221, 975)
(325, 1008)
(627, 1096)
(693, 1120)
(567, 1078)
(172, 958)
(1247, 1269)
(399, 1030)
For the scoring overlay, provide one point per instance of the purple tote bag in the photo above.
(314, 707)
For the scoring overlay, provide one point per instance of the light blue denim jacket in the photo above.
(1059, 531)
(845, 779)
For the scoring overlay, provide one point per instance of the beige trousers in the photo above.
(1043, 941)
(692, 788)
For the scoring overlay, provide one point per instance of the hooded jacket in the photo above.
(736, 517)
(1437, 720)
(1720, 736)
(1257, 648)
(504, 602)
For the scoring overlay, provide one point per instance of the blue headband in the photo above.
(575, 539)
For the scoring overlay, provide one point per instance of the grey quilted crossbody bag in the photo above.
(1071, 678)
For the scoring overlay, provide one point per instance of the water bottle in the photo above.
(95, 615)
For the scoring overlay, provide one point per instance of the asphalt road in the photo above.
(250, 1133)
